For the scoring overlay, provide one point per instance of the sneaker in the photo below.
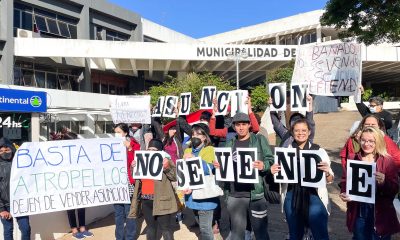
(87, 234)
(78, 235)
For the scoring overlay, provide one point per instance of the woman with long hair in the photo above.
(125, 228)
(201, 146)
(374, 221)
(306, 207)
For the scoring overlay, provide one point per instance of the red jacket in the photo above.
(385, 215)
(130, 157)
(255, 127)
(393, 150)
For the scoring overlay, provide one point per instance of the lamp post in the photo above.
(237, 57)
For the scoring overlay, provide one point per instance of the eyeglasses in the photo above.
(370, 142)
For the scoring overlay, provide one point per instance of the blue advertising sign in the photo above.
(13, 100)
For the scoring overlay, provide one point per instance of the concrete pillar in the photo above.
(319, 34)
(6, 41)
(277, 40)
(35, 127)
(83, 29)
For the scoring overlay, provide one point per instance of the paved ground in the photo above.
(332, 131)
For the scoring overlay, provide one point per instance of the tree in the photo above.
(191, 82)
(367, 21)
(259, 98)
(283, 74)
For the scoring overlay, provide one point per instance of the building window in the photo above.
(26, 74)
(47, 23)
(104, 127)
(74, 126)
(116, 36)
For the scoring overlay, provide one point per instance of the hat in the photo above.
(155, 143)
(202, 126)
(240, 117)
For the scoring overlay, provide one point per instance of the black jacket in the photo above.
(5, 173)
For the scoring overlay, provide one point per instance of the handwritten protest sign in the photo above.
(149, 165)
(329, 69)
(360, 182)
(130, 109)
(61, 175)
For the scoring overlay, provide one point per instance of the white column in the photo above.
(35, 127)
(319, 34)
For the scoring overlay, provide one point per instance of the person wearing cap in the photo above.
(203, 210)
(7, 151)
(284, 134)
(375, 107)
(157, 197)
(246, 200)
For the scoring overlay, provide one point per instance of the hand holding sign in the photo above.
(345, 197)
(275, 168)
(258, 165)
(380, 178)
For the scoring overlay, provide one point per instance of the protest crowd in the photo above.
(215, 165)
(221, 158)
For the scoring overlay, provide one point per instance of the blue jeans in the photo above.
(23, 225)
(364, 225)
(125, 228)
(205, 221)
(317, 218)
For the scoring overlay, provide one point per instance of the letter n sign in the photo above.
(360, 182)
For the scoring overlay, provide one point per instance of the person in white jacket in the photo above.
(305, 207)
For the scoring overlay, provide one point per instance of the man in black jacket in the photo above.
(7, 151)
(376, 107)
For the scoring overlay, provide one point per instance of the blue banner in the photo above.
(13, 100)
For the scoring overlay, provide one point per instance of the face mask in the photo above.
(6, 156)
(196, 142)
(118, 135)
(372, 109)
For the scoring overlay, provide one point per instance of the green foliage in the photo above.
(191, 82)
(259, 98)
(279, 75)
(367, 94)
(367, 21)
(385, 96)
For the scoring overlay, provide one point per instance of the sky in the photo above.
(203, 18)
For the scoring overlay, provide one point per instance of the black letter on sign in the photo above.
(221, 97)
(283, 162)
(169, 106)
(207, 97)
(180, 173)
(152, 163)
(142, 164)
(297, 93)
(185, 103)
(247, 158)
(159, 107)
(223, 164)
(308, 157)
(360, 179)
(278, 104)
(195, 178)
